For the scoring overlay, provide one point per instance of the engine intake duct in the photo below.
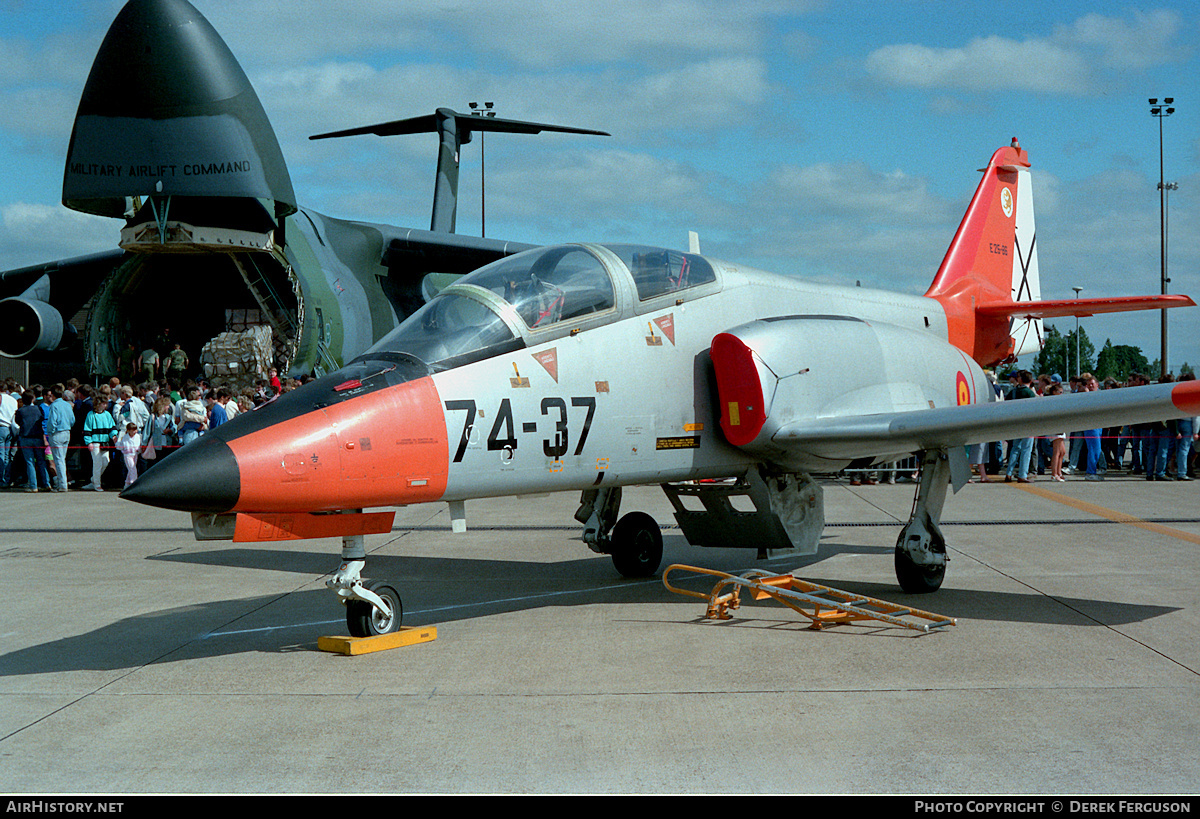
(29, 325)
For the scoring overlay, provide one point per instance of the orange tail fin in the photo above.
(988, 283)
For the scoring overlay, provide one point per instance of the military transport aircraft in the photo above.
(171, 137)
(590, 367)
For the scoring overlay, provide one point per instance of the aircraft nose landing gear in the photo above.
(372, 608)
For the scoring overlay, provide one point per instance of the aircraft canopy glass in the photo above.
(448, 331)
(548, 285)
(461, 324)
(657, 271)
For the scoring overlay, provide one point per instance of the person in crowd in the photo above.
(149, 364)
(193, 417)
(127, 363)
(1139, 433)
(977, 458)
(1021, 448)
(1091, 437)
(1185, 435)
(1161, 436)
(227, 400)
(31, 437)
(1112, 449)
(8, 412)
(99, 431)
(59, 420)
(129, 445)
(216, 408)
(161, 435)
(177, 364)
(132, 409)
(1058, 442)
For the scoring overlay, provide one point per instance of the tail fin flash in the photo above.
(988, 282)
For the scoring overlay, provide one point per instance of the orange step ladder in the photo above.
(823, 605)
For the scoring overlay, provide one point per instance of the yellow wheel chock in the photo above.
(823, 605)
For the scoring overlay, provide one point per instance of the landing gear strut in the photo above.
(921, 550)
(372, 608)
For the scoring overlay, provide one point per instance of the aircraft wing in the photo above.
(435, 251)
(860, 436)
(16, 281)
(27, 320)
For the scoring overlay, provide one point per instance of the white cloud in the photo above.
(32, 233)
(1144, 42)
(984, 64)
(1075, 59)
(856, 192)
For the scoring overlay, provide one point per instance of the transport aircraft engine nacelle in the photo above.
(778, 371)
(27, 325)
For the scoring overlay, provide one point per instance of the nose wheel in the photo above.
(370, 618)
(372, 608)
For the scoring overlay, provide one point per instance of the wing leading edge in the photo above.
(861, 436)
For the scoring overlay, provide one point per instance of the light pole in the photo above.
(486, 111)
(1161, 112)
(1078, 368)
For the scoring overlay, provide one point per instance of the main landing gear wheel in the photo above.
(636, 545)
(366, 620)
(916, 579)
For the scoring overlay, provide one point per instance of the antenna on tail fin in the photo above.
(454, 130)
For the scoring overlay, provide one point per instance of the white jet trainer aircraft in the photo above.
(592, 367)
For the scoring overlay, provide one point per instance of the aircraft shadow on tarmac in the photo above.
(440, 590)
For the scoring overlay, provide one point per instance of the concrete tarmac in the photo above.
(134, 659)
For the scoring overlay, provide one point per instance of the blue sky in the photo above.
(833, 141)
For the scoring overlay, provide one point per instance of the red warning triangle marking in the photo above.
(549, 360)
(667, 325)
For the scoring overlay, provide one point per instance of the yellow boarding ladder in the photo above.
(823, 605)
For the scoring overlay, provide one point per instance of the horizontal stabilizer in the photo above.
(1080, 307)
(467, 123)
(454, 130)
(859, 436)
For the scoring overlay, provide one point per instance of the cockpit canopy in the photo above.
(538, 295)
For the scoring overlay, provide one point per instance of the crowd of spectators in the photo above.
(63, 436)
(1158, 451)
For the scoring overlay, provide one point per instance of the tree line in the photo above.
(1060, 354)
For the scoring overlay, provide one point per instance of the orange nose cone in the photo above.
(384, 448)
(321, 448)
